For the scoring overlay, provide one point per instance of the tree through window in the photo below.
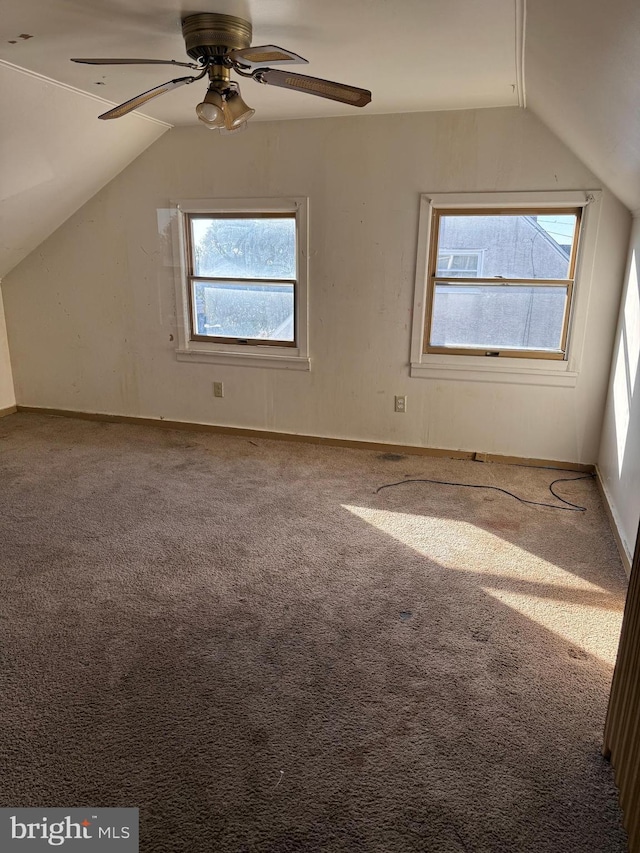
(242, 277)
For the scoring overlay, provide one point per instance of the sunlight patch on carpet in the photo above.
(588, 628)
(571, 607)
(453, 543)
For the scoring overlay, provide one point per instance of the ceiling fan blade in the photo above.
(136, 102)
(135, 62)
(266, 53)
(314, 86)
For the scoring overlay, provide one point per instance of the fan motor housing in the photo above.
(207, 34)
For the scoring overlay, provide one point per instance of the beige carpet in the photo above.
(244, 640)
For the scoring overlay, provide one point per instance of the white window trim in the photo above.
(263, 355)
(520, 371)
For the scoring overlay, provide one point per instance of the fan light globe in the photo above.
(211, 110)
(236, 112)
(210, 114)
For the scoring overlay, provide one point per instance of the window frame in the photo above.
(251, 352)
(513, 281)
(192, 278)
(523, 366)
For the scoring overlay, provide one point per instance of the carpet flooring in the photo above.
(247, 642)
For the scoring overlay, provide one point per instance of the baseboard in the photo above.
(613, 522)
(534, 463)
(384, 447)
(9, 410)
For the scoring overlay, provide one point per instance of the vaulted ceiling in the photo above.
(583, 80)
(580, 59)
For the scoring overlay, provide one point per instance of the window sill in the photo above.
(245, 359)
(503, 370)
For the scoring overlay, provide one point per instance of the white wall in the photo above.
(619, 460)
(7, 395)
(91, 312)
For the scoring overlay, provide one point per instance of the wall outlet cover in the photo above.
(401, 403)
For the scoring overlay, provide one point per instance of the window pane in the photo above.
(231, 310)
(510, 245)
(244, 247)
(495, 317)
(456, 264)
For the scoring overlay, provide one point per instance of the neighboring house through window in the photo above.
(497, 276)
(519, 304)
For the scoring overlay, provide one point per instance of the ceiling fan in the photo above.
(222, 43)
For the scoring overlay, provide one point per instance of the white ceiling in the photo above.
(413, 55)
(581, 69)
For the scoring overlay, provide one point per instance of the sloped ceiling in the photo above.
(583, 80)
(54, 156)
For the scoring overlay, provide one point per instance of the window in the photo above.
(497, 276)
(520, 304)
(459, 263)
(242, 281)
(242, 277)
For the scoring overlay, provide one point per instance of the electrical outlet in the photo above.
(218, 389)
(401, 404)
